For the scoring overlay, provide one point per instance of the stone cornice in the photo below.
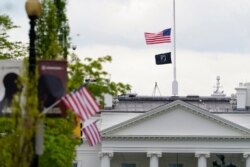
(110, 137)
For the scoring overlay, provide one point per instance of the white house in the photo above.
(190, 131)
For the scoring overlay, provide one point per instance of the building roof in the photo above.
(141, 104)
(201, 123)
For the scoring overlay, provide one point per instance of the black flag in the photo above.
(164, 58)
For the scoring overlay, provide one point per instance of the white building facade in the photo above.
(171, 132)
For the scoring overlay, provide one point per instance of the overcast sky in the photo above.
(212, 38)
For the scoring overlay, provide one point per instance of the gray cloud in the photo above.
(213, 26)
(204, 26)
(12, 7)
(213, 38)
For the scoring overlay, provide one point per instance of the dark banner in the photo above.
(52, 84)
(9, 73)
(164, 58)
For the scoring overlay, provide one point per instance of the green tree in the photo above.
(59, 142)
(82, 71)
(8, 48)
(17, 131)
(53, 43)
(53, 31)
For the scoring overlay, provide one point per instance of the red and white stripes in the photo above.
(92, 134)
(82, 103)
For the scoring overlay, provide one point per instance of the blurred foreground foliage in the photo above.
(18, 129)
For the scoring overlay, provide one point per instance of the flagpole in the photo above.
(174, 83)
(49, 108)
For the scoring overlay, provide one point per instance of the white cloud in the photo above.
(116, 23)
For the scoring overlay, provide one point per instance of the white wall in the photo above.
(88, 156)
(111, 118)
(178, 122)
(241, 119)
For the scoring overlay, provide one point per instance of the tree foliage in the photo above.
(52, 44)
(92, 69)
(8, 48)
(17, 132)
(59, 142)
(53, 30)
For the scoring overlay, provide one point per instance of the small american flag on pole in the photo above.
(82, 103)
(92, 134)
(157, 38)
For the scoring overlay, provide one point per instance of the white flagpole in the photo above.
(174, 83)
(49, 108)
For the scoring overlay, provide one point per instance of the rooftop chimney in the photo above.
(241, 95)
(247, 85)
(108, 101)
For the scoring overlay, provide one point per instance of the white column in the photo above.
(105, 158)
(247, 156)
(202, 159)
(154, 158)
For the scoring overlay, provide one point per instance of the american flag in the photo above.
(92, 134)
(157, 38)
(82, 103)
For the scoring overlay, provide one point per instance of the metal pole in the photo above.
(174, 83)
(32, 70)
(174, 40)
(32, 51)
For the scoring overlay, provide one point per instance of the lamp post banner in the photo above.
(52, 84)
(9, 72)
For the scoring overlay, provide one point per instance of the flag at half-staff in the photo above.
(164, 58)
(82, 103)
(158, 38)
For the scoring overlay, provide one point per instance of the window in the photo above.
(128, 165)
(76, 164)
(175, 165)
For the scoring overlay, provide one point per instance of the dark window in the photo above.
(75, 164)
(175, 165)
(128, 165)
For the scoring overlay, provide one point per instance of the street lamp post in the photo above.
(33, 10)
